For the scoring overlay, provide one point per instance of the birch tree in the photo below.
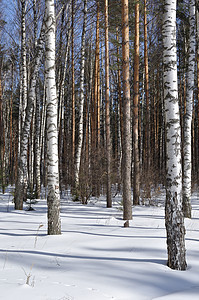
(53, 198)
(23, 83)
(73, 87)
(174, 219)
(20, 191)
(37, 142)
(81, 104)
(23, 58)
(188, 115)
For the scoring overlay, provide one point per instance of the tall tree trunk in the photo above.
(81, 104)
(73, 90)
(31, 151)
(95, 116)
(23, 58)
(197, 39)
(98, 75)
(120, 107)
(126, 141)
(53, 198)
(37, 143)
(108, 141)
(11, 127)
(146, 71)
(136, 175)
(188, 116)
(23, 81)
(2, 139)
(61, 98)
(42, 139)
(20, 191)
(174, 219)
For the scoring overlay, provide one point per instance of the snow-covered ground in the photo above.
(95, 258)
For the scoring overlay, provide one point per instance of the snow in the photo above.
(95, 258)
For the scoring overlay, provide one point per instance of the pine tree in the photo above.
(126, 140)
(107, 117)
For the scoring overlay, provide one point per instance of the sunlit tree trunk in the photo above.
(197, 39)
(53, 198)
(120, 107)
(11, 158)
(23, 79)
(146, 86)
(42, 139)
(95, 115)
(126, 140)
(81, 104)
(20, 191)
(2, 139)
(188, 115)
(174, 219)
(23, 58)
(98, 75)
(136, 175)
(73, 89)
(107, 118)
(37, 143)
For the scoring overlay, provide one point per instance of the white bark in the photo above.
(37, 142)
(174, 216)
(23, 56)
(31, 152)
(42, 139)
(53, 198)
(81, 104)
(20, 192)
(188, 115)
(23, 75)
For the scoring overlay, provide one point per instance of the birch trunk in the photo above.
(73, 89)
(126, 140)
(174, 220)
(24, 64)
(81, 104)
(188, 115)
(107, 117)
(21, 185)
(31, 150)
(11, 127)
(37, 143)
(42, 139)
(2, 137)
(98, 81)
(53, 198)
(23, 75)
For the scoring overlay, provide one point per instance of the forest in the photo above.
(101, 98)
